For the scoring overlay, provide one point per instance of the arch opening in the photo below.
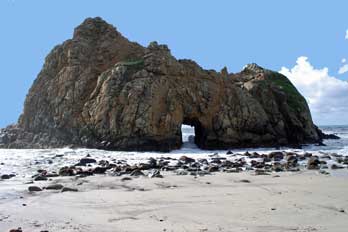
(192, 133)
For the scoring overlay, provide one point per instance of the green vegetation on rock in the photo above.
(294, 99)
(133, 63)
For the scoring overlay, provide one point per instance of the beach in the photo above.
(303, 201)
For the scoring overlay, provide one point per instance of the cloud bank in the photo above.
(327, 96)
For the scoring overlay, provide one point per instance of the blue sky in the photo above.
(272, 33)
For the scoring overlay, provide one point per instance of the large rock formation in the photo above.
(100, 90)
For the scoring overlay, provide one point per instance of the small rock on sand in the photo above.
(155, 174)
(5, 177)
(16, 230)
(335, 166)
(54, 187)
(41, 178)
(66, 189)
(244, 181)
(137, 172)
(34, 189)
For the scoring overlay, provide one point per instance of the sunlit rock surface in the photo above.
(99, 90)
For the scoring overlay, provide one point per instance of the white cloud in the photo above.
(346, 34)
(343, 60)
(343, 69)
(327, 96)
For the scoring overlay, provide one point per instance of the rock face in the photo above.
(100, 90)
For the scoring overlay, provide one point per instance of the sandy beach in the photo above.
(302, 201)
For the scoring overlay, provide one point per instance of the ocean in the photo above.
(25, 163)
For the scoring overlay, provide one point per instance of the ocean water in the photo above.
(332, 146)
(25, 163)
(339, 146)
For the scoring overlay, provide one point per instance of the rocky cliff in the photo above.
(100, 90)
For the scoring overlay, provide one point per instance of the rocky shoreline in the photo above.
(252, 162)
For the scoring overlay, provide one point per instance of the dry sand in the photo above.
(302, 201)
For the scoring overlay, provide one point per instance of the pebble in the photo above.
(244, 181)
(126, 179)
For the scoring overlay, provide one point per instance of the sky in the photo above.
(305, 40)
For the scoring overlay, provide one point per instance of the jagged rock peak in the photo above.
(253, 68)
(155, 46)
(224, 71)
(92, 27)
(158, 49)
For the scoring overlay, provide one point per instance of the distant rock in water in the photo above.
(327, 136)
(99, 90)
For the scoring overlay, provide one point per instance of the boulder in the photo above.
(213, 169)
(313, 163)
(137, 172)
(276, 156)
(100, 170)
(85, 161)
(277, 167)
(67, 171)
(155, 173)
(186, 159)
(152, 163)
(99, 90)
